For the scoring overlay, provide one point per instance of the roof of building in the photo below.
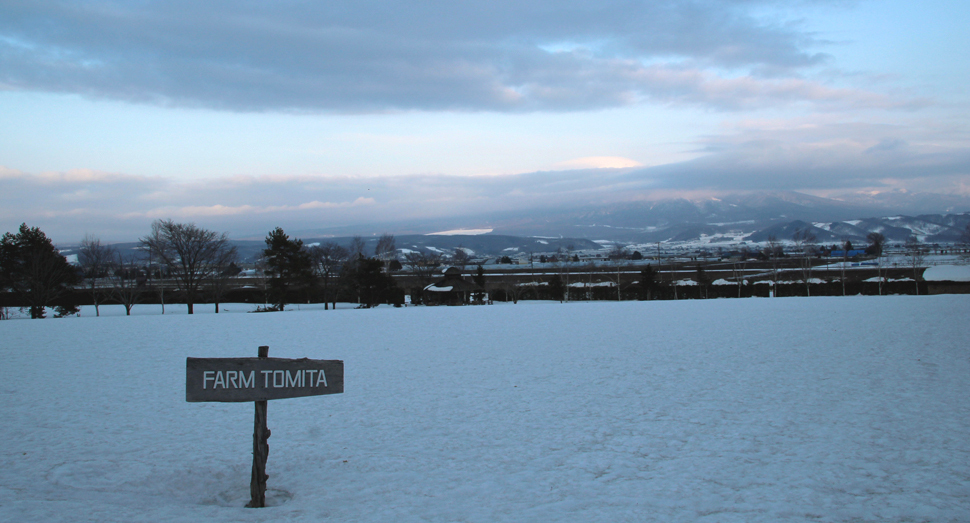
(453, 282)
(947, 273)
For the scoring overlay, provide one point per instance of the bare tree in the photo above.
(618, 252)
(567, 255)
(261, 280)
(193, 255)
(128, 281)
(510, 288)
(424, 265)
(562, 265)
(327, 259)
(617, 262)
(155, 279)
(965, 244)
(876, 242)
(846, 247)
(739, 267)
(356, 248)
(385, 249)
(773, 251)
(220, 283)
(881, 270)
(355, 256)
(916, 252)
(96, 261)
(590, 268)
(460, 258)
(805, 244)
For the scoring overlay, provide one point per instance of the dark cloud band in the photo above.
(387, 56)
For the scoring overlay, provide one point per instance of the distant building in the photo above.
(947, 279)
(452, 290)
(852, 253)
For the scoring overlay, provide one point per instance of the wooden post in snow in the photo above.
(261, 433)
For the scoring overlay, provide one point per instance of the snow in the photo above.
(457, 232)
(597, 284)
(755, 410)
(947, 273)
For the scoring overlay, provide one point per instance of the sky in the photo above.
(244, 116)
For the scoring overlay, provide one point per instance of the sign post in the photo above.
(258, 380)
(261, 433)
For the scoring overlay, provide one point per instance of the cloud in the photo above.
(121, 207)
(196, 212)
(598, 162)
(822, 155)
(371, 56)
(818, 155)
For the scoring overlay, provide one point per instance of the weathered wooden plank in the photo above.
(261, 433)
(260, 379)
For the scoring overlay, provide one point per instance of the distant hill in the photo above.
(746, 217)
(683, 220)
(929, 228)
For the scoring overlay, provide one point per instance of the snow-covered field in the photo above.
(789, 409)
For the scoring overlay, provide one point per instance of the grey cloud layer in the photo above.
(119, 207)
(379, 56)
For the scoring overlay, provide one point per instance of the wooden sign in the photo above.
(260, 379)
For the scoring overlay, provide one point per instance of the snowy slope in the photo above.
(821, 409)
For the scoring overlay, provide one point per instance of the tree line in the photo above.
(197, 261)
(200, 263)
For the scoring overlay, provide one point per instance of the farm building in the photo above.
(452, 290)
(947, 279)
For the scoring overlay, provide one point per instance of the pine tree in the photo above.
(702, 281)
(32, 267)
(373, 286)
(557, 288)
(648, 282)
(288, 265)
